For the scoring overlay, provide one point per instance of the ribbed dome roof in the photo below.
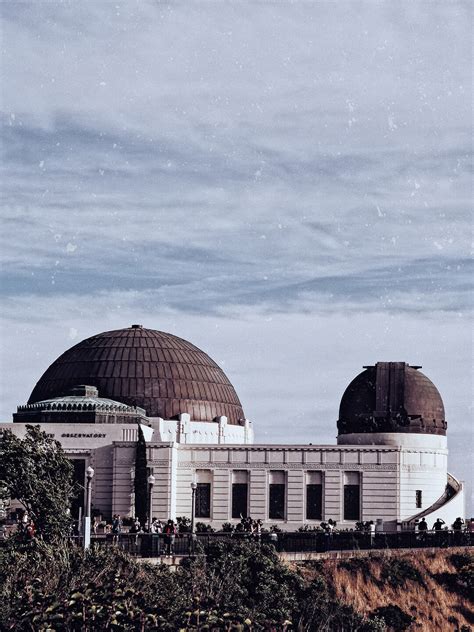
(391, 397)
(159, 372)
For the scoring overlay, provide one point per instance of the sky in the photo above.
(287, 185)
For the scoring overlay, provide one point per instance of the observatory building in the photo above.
(389, 464)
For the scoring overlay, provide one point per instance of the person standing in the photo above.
(422, 530)
(438, 531)
(170, 535)
(116, 528)
(372, 533)
(438, 525)
(457, 527)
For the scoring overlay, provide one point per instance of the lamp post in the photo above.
(151, 482)
(193, 505)
(87, 513)
(192, 538)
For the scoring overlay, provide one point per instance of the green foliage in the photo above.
(396, 618)
(320, 610)
(358, 564)
(141, 479)
(244, 579)
(62, 588)
(307, 528)
(398, 571)
(184, 524)
(462, 581)
(35, 471)
(202, 527)
(458, 560)
(239, 586)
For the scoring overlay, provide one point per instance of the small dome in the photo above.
(159, 372)
(391, 397)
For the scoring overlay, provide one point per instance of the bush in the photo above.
(394, 617)
(307, 528)
(184, 524)
(63, 588)
(320, 611)
(358, 564)
(458, 560)
(202, 527)
(236, 586)
(462, 581)
(398, 571)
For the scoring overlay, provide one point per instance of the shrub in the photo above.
(461, 581)
(202, 527)
(398, 571)
(320, 611)
(63, 588)
(358, 564)
(394, 617)
(307, 528)
(458, 560)
(184, 524)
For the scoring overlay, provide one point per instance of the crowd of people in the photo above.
(156, 527)
(246, 527)
(250, 526)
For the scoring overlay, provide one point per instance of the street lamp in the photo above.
(193, 504)
(193, 507)
(151, 482)
(87, 513)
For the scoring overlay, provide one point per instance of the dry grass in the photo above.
(434, 606)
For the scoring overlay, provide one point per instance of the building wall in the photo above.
(425, 471)
(389, 475)
(186, 431)
(377, 468)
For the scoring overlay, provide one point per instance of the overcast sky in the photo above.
(285, 185)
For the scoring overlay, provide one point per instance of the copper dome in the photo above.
(391, 397)
(159, 372)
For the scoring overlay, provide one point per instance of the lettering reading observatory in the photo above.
(83, 435)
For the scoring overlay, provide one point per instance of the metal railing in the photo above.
(154, 545)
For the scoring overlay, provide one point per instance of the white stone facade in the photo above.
(396, 478)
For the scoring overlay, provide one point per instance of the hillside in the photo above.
(435, 589)
(234, 587)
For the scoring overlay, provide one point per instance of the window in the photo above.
(79, 477)
(239, 494)
(351, 496)
(203, 500)
(418, 499)
(239, 500)
(277, 496)
(314, 496)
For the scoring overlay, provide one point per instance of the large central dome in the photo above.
(159, 372)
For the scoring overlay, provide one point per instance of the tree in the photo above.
(36, 472)
(141, 479)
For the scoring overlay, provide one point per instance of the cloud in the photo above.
(289, 186)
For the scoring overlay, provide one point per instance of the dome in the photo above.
(391, 397)
(159, 372)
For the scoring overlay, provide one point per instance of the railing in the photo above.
(151, 545)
